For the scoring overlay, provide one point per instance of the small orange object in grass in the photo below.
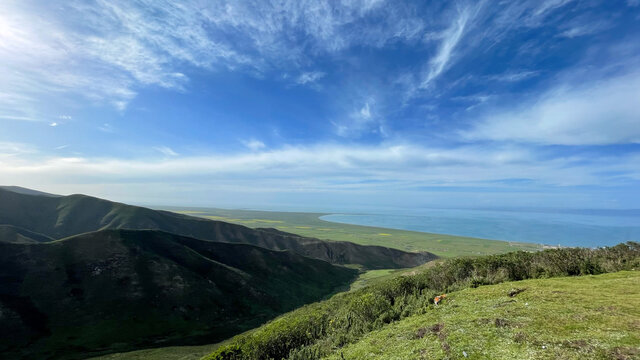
(439, 298)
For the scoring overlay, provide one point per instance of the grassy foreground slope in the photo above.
(323, 329)
(588, 317)
(164, 353)
(309, 224)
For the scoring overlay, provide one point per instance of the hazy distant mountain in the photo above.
(22, 190)
(59, 217)
(123, 289)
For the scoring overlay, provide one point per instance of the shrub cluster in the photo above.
(316, 330)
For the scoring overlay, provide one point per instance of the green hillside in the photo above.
(326, 328)
(59, 217)
(589, 317)
(118, 290)
(14, 234)
(310, 224)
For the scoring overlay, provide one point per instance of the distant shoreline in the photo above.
(549, 230)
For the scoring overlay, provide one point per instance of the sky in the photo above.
(324, 105)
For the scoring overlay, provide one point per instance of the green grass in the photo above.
(166, 353)
(309, 224)
(317, 330)
(589, 317)
(369, 277)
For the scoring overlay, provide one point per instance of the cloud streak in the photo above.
(598, 113)
(450, 39)
(327, 165)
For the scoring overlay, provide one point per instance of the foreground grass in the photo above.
(165, 353)
(309, 224)
(319, 330)
(589, 317)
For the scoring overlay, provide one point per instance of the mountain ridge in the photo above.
(59, 217)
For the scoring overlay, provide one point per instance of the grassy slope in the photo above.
(562, 318)
(317, 330)
(309, 224)
(165, 353)
(16, 235)
(584, 325)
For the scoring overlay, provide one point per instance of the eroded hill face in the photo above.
(60, 217)
(116, 290)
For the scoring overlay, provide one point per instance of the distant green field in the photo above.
(309, 224)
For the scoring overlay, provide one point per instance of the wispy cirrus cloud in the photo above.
(450, 39)
(165, 150)
(107, 51)
(310, 77)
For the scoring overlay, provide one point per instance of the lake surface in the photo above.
(588, 228)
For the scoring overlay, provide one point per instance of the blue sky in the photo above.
(324, 105)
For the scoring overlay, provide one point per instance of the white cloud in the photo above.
(165, 150)
(514, 76)
(254, 144)
(597, 113)
(332, 167)
(450, 39)
(53, 124)
(107, 50)
(360, 121)
(14, 149)
(310, 77)
(550, 5)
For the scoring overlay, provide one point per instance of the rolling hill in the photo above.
(59, 217)
(13, 234)
(117, 290)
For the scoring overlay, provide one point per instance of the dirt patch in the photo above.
(520, 338)
(580, 344)
(608, 309)
(501, 322)
(503, 303)
(446, 347)
(437, 328)
(514, 292)
(625, 353)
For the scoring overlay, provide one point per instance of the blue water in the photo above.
(587, 228)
